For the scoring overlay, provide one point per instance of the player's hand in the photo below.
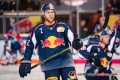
(95, 59)
(25, 67)
(76, 44)
(6, 42)
(114, 78)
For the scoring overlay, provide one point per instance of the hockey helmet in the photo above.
(47, 6)
(104, 33)
(14, 29)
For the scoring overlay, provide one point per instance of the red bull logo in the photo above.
(24, 25)
(52, 42)
(104, 62)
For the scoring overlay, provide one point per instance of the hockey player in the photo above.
(16, 44)
(51, 37)
(98, 57)
(115, 40)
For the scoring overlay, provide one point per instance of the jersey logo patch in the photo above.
(60, 29)
(109, 54)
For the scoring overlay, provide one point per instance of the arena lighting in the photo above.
(73, 2)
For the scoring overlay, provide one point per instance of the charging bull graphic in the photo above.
(114, 21)
(52, 42)
(25, 25)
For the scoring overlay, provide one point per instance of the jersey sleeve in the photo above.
(94, 49)
(70, 33)
(31, 44)
(83, 51)
(86, 50)
(8, 35)
(18, 37)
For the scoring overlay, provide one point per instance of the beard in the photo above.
(50, 21)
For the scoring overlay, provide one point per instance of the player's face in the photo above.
(14, 32)
(49, 15)
(102, 21)
(106, 39)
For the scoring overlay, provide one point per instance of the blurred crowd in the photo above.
(24, 5)
(34, 5)
(114, 6)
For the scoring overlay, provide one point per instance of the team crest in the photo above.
(60, 29)
(109, 54)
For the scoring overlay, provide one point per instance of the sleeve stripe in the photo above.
(112, 42)
(90, 46)
(70, 36)
(34, 39)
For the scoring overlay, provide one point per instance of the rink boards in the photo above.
(77, 60)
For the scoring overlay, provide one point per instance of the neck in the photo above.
(101, 44)
(49, 23)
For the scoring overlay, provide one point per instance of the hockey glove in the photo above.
(6, 42)
(95, 59)
(114, 78)
(25, 67)
(76, 44)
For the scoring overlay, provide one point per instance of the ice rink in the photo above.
(10, 72)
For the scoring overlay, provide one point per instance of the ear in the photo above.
(43, 15)
(100, 39)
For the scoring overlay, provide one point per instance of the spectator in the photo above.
(109, 7)
(37, 5)
(115, 6)
(13, 5)
(27, 5)
(3, 5)
(22, 5)
(30, 5)
(99, 26)
(83, 29)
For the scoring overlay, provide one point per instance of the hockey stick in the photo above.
(4, 52)
(51, 57)
(103, 27)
